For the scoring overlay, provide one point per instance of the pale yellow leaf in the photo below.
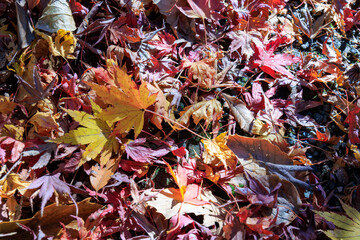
(95, 133)
(347, 227)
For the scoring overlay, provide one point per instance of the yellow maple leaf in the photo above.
(128, 104)
(95, 133)
(64, 44)
(218, 153)
(347, 226)
(9, 186)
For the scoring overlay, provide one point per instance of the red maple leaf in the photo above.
(273, 64)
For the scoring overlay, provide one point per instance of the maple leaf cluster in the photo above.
(178, 119)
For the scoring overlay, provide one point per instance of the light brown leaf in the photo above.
(161, 106)
(210, 111)
(263, 154)
(50, 221)
(6, 106)
(201, 71)
(243, 116)
(100, 175)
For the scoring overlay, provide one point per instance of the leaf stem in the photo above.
(175, 123)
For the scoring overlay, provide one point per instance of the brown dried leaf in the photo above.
(50, 221)
(6, 105)
(202, 71)
(263, 154)
(161, 105)
(210, 110)
(100, 175)
(241, 113)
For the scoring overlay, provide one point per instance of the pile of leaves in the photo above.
(179, 119)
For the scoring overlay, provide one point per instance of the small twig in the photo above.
(11, 169)
(176, 123)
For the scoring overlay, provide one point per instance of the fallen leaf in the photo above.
(49, 185)
(263, 154)
(64, 44)
(100, 175)
(45, 123)
(50, 220)
(10, 149)
(161, 106)
(12, 183)
(347, 227)
(274, 64)
(165, 204)
(6, 106)
(241, 113)
(95, 133)
(217, 153)
(210, 111)
(140, 168)
(56, 15)
(128, 104)
(141, 150)
(10, 186)
(309, 27)
(243, 42)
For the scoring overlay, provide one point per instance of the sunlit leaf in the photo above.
(347, 226)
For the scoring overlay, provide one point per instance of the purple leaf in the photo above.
(49, 184)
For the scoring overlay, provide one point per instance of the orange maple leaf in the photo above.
(186, 193)
(128, 102)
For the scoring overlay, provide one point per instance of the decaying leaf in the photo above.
(201, 71)
(243, 116)
(9, 187)
(263, 154)
(57, 15)
(100, 175)
(6, 106)
(50, 220)
(210, 111)
(45, 123)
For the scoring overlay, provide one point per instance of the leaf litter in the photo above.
(179, 119)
